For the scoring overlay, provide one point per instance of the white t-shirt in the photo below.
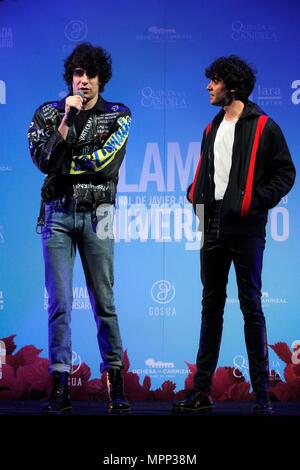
(223, 156)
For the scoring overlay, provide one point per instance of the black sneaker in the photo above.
(195, 401)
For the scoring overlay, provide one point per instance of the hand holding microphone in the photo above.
(73, 105)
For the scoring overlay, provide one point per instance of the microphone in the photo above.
(73, 111)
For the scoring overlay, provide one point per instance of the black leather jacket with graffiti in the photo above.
(93, 157)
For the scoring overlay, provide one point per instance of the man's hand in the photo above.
(74, 101)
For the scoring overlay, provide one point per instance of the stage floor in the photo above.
(148, 408)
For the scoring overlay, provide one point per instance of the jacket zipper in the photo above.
(218, 231)
(210, 187)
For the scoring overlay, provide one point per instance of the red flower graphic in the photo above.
(290, 389)
(25, 376)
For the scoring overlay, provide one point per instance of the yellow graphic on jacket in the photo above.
(97, 160)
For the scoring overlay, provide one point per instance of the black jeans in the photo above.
(247, 256)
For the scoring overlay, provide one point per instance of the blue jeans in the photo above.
(65, 230)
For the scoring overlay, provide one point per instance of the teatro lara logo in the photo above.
(268, 95)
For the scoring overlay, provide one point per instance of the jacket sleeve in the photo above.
(108, 158)
(281, 168)
(46, 144)
(189, 192)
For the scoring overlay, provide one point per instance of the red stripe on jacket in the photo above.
(192, 190)
(261, 122)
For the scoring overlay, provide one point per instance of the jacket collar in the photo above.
(250, 110)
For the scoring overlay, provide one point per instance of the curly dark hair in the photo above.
(235, 73)
(95, 60)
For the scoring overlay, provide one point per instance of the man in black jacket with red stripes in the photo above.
(245, 168)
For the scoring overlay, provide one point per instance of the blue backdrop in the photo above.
(159, 49)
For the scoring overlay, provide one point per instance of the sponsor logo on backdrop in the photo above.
(81, 300)
(159, 364)
(159, 369)
(163, 34)
(2, 92)
(6, 38)
(295, 97)
(76, 364)
(1, 300)
(2, 356)
(267, 95)
(296, 352)
(163, 99)
(76, 30)
(241, 367)
(5, 168)
(1, 234)
(259, 32)
(162, 293)
(266, 300)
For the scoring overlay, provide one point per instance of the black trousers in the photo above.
(216, 257)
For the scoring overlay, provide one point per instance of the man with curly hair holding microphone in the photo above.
(79, 143)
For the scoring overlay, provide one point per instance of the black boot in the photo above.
(262, 405)
(115, 388)
(59, 401)
(195, 401)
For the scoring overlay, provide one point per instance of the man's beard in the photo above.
(225, 100)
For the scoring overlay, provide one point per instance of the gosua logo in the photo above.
(163, 292)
